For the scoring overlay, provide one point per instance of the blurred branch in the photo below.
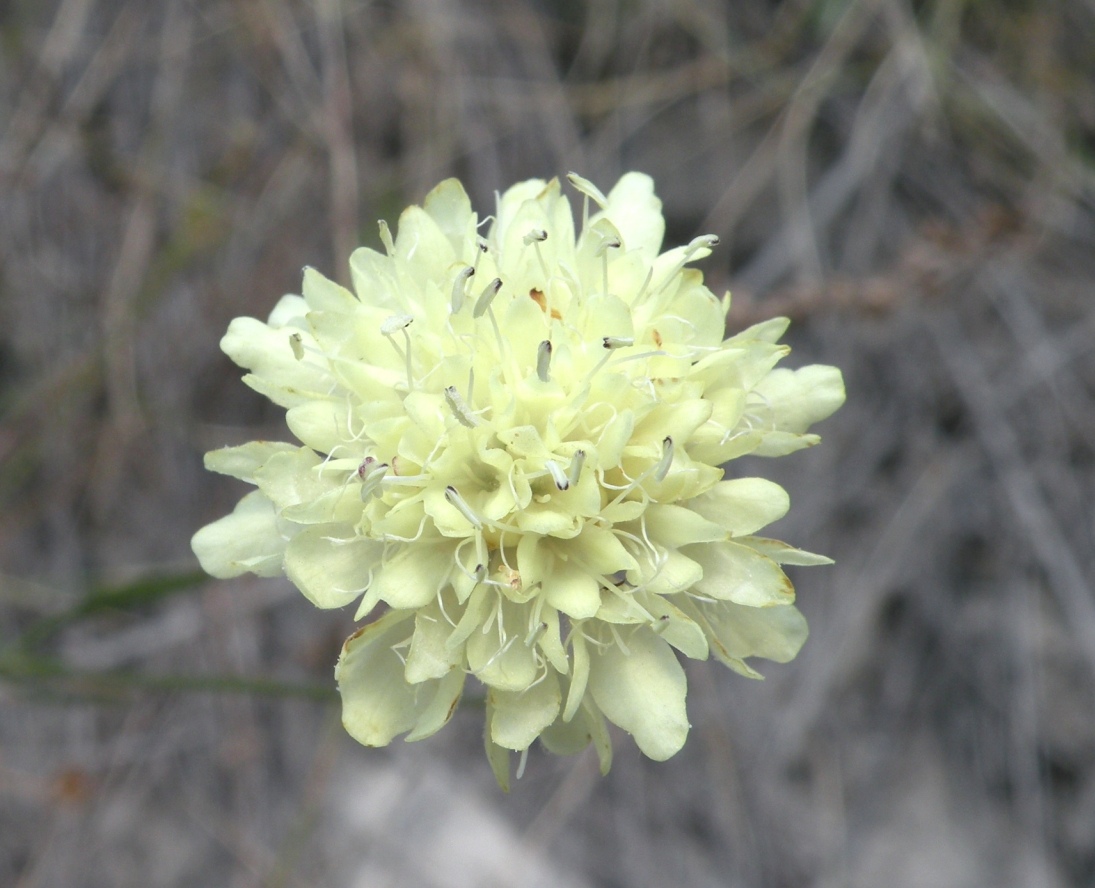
(143, 592)
(22, 664)
(1024, 495)
(49, 675)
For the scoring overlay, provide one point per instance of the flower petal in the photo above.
(415, 574)
(246, 540)
(423, 252)
(377, 702)
(287, 478)
(497, 756)
(743, 505)
(243, 461)
(643, 692)
(732, 572)
(331, 572)
(579, 679)
(782, 553)
(519, 716)
(503, 660)
(799, 398)
(323, 294)
(572, 590)
(275, 370)
(430, 656)
(675, 626)
(637, 212)
(441, 708)
(322, 424)
(598, 551)
(566, 737)
(674, 526)
(448, 205)
(775, 633)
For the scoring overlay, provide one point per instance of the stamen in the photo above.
(646, 284)
(659, 470)
(535, 634)
(397, 649)
(486, 297)
(458, 502)
(557, 475)
(614, 342)
(536, 237)
(543, 360)
(609, 243)
(394, 323)
(587, 188)
(483, 557)
(371, 476)
(521, 762)
(662, 468)
(606, 244)
(386, 237)
(503, 649)
(495, 610)
(460, 410)
(444, 613)
(576, 463)
(396, 538)
(401, 323)
(296, 343)
(458, 288)
(619, 641)
(704, 241)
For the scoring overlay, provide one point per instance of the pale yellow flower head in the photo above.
(511, 457)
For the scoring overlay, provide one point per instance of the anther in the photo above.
(482, 248)
(543, 360)
(371, 476)
(557, 474)
(660, 625)
(704, 241)
(662, 469)
(395, 323)
(614, 342)
(576, 463)
(606, 244)
(296, 343)
(386, 237)
(537, 235)
(587, 188)
(457, 502)
(486, 298)
(459, 409)
(458, 288)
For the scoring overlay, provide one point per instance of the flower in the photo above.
(511, 455)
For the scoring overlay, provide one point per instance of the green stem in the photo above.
(29, 669)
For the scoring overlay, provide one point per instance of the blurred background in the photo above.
(912, 181)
